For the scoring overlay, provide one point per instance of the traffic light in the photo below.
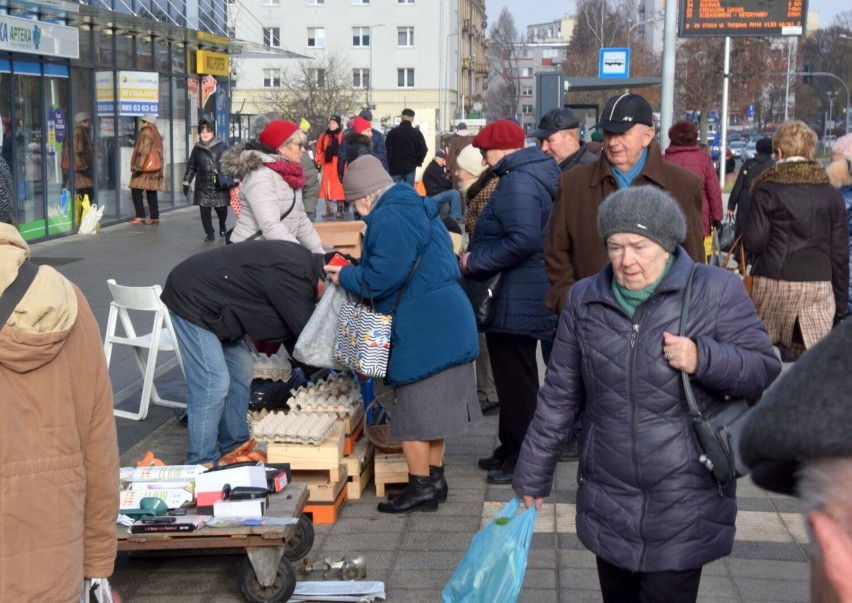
(807, 78)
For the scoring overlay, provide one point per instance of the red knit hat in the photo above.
(361, 125)
(500, 134)
(276, 132)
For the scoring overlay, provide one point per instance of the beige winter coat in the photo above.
(58, 450)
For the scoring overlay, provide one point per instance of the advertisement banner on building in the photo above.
(138, 93)
(38, 37)
(105, 92)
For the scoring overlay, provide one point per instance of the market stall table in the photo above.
(268, 575)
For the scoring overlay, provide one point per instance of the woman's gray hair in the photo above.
(827, 482)
(297, 137)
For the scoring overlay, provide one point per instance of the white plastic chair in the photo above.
(161, 338)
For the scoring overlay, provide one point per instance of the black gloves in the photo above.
(185, 190)
(717, 224)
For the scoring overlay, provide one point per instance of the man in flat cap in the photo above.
(631, 157)
(559, 135)
(798, 442)
(406, 149)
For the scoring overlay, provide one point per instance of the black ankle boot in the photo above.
(441, 488)
(420, 494)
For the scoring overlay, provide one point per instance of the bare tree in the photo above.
(504, 86)
(314, 89)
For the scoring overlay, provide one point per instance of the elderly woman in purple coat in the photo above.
(650, 511)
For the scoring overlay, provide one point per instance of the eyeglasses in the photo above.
(300, 145)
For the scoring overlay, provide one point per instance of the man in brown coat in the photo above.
(631, 157)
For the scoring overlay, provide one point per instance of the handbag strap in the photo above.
(16, 290)
(280, 219)
(407, 282)
(687, 386)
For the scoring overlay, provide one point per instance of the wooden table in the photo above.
(268, 575)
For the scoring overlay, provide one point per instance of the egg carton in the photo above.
(276, 367)
(294, 428)
(343, 405)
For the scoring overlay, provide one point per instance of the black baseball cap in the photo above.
(555, 120)
(625, 111)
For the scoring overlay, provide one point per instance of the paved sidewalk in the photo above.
(413, 554)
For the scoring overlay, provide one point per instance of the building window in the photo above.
(271, 78)
(364, 2)
(405, 78)
(360, 78)
(405, 1)
(269, 2)
(525, 53)
(526, 90)
(527, 72)
(315, 2)
(527, 109)
(318, 77)
(361, 36)
(405, 36)
(549, 53)
(316, 37)
(272, 37)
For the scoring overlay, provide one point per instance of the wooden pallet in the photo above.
(389, 469)
(325, 511)
(359, 468)
(325, 456)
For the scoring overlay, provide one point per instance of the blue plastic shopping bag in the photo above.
(493, 568)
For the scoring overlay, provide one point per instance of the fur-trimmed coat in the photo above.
(149, 140)
(269, 187)
(797, 228)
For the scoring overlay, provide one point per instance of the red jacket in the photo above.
(699, 163)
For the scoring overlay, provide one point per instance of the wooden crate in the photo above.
(359, 468)
(317, 476)
(351, 436)
(325, 456)
(320, 488)
(389, 469)
(324, 510)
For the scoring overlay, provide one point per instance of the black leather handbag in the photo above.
(482, 293)
(719, 428)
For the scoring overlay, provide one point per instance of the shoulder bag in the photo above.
(363, 340)
(153, 162)
(482, 291)
(14, 293)
(718, 428)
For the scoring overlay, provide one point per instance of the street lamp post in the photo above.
(370, 75)
(831, 96)
(446, 96)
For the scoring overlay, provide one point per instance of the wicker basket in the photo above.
(380, 435)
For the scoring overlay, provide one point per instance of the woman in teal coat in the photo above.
(434, 340)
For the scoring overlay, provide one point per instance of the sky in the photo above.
(550, 10)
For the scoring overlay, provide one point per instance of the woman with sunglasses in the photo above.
(271, 180)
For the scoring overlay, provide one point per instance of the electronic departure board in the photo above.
(742, 18)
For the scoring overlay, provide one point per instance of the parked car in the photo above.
(749, 150)
(736, 147)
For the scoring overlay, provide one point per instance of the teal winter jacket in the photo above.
(433, 327)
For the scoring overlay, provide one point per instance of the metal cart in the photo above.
(267, 575)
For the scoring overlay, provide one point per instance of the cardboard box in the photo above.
(343, 237)
(208, 486)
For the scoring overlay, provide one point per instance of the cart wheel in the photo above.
(302, 540)
(281, 590)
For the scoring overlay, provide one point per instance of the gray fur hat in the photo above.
(803, 416)
(364, 176)
(644, 210)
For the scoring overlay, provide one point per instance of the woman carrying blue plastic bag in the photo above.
(647, 507)
(493, 568)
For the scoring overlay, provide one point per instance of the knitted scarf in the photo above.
(292, 173)
(631, 300)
